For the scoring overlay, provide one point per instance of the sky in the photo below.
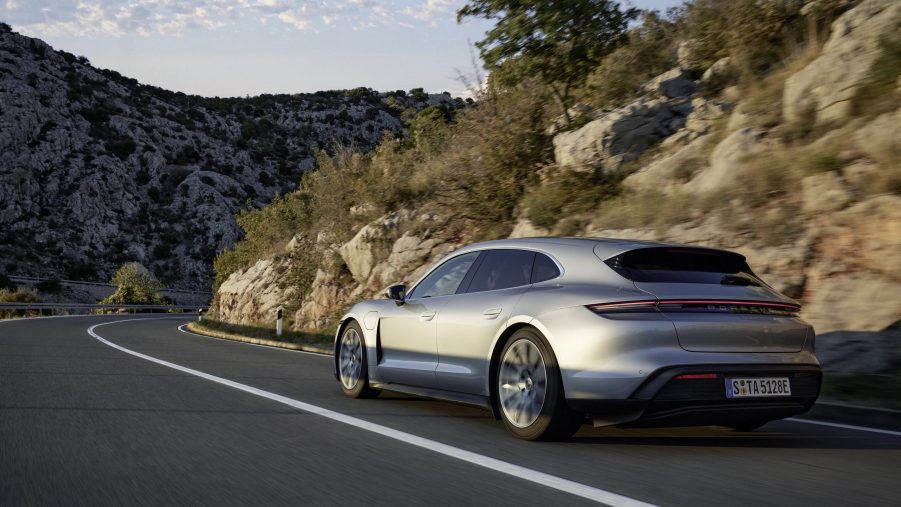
(248, 47)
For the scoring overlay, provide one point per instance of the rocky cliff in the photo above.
(97, 169)
(816, 209)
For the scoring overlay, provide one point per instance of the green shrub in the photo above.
(754, 33)
(825, 162)
(16, 296)
(134, 285)
(879, 91)
(568, 194)
(648, 52)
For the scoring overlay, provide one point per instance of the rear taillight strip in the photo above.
(729, 302)
(688, 304)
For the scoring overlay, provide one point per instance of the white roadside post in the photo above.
(199, 314)
(278, 321)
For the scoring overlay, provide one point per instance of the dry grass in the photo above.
(264, 335)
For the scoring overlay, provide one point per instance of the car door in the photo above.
(407, 332)
(469, 322)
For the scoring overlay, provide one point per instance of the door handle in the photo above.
(427, 315)
(492, 312)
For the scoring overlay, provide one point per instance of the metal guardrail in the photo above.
(41, 309)
(35, 279)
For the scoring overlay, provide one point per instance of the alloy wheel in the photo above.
(350, 359)
(522, 383)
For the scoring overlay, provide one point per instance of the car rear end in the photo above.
(711, 344)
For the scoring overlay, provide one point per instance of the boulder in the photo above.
(666, 173)
(728, 154)
(824, 192)
(671, 84)
(620, 135)
(361, 253)
(828, 83)
(880, 139)
(719, 70)
(704, 113)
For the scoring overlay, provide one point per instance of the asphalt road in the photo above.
(85, 423)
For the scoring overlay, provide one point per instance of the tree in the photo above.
(134, 286)
(559, 41)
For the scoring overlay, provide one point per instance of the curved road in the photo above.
(142, 413)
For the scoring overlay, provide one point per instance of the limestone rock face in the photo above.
(97, 169)
(824, 192)
(725, 158)
(855, 277)
(704, 113)
(880, 139)
(827, 84)
(252, 295)
(666, 173)
(621, 135)
(671, 84)
(358, 253)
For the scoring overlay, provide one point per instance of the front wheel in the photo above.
(350, 358)
(530, 391)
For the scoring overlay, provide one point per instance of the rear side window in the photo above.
(502, 269)
(544, 269)
(683, 265)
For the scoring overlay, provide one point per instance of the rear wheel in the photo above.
(353, 371)
(530, 391)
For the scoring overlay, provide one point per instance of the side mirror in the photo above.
(397, 292)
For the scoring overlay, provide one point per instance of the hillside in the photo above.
(790, 157)
(97, 169)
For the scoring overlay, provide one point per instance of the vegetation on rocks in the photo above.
(703, 125)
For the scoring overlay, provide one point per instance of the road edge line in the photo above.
(844, 426)
(263, 345)
(534, 476)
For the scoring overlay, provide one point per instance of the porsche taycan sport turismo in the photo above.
(552, 333)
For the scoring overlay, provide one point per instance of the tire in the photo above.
(351, 362)
(529, 390)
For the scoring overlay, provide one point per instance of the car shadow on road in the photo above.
(777, 437)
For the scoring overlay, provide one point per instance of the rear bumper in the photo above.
(664, 400)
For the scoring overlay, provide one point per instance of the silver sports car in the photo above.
(551, 333)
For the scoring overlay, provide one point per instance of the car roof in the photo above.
(604, 247)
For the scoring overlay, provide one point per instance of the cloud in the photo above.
(176, 17)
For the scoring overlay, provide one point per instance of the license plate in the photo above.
(757, 386)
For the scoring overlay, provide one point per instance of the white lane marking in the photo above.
(846, 426)
(551, 481)
(181, 328)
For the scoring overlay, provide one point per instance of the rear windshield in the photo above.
(683, 265)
